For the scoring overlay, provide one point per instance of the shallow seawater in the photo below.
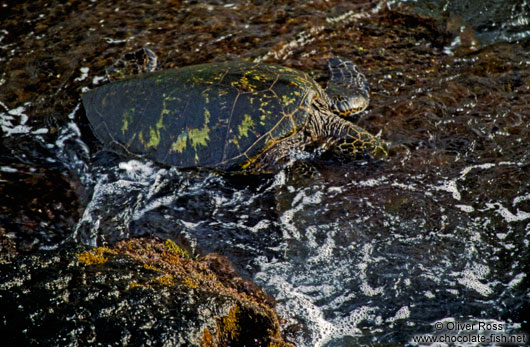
(399, 256)
(369, 251)
(363, 253)
(488, 21)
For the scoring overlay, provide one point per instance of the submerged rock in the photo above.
(140, 292)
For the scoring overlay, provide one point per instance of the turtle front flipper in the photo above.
(342, 136)
(348, 89)
(355, 140)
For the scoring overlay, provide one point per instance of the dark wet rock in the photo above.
(476, 21)
(141, 292)
(38, 207)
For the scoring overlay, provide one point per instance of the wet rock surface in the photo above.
(369, 252)
(38, 207)
(140, 292)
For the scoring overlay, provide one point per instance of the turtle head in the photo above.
(347, 90)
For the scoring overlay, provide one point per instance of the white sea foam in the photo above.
(402, 313)
(520, 199)
(6, 168)
(97, 80)
(508, 216)
(465, 208)
(517, 280)
(472, 277)
(14, 121)
(84, 74)
(328, 276)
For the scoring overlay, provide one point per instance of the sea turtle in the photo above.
(231, 116)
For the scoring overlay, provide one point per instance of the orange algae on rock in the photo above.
(136, 284)
(207, 340)
(165, 280)
(242, 314)
(95, 256)
(243, 322)
(229, 325)
(249, 316)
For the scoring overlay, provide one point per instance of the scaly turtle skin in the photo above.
(231, 116)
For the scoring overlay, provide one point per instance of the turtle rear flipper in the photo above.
(132, 63)
(348, 89)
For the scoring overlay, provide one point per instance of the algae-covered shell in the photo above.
(218, 115)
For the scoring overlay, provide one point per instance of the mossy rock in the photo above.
(140, 292)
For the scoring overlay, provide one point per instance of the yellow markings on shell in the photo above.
(126, 120)
(201, 136)
(265, 113)
(206, 98)
(243, 83)
(250, 81)
(287, 100)
(258, 77)
(245, 126)
(247, 164)
(235, 141)
(154, 133)
(196, 136)
(243, 129)
(166, 98)
(180, 144)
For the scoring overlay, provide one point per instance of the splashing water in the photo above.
(368, 252)
(380, 258)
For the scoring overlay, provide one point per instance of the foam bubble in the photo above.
(471, 278)
(98, 79)
(84, 74)
(136, 169)
(465, 208)
(402, 313)
(451, 187)
(429, 294)
(8, 169)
